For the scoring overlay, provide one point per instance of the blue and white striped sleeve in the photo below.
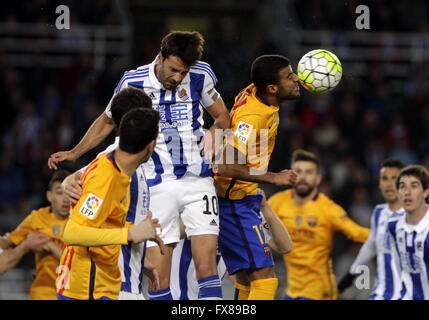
(209, 95)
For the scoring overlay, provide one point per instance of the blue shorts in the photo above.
(241, 237)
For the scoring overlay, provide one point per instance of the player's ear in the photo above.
(152, 145)
(426, 195)
(271, 89)
(49, 195)
(161, 57)
(319, 179)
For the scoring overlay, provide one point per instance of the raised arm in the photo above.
(96, 133)
(222, 120)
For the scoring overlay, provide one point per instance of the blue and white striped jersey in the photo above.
(412, 247)
(388, 283)
(183, 279)
(177, 152)
(131, 257)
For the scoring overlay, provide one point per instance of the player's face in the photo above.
(171, 71)
(288, 87)
(411, 193)
(59, 203)
(308, 177)
(387, 183)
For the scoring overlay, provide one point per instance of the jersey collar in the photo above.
(418, 227)
(111, 157)
(261, 98)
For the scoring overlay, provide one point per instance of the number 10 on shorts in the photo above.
(214, 205)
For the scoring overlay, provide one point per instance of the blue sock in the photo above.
(163, 294)
(210, 288)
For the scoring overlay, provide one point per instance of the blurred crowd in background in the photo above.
(353, 128)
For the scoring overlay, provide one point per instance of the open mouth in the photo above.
(408, 202)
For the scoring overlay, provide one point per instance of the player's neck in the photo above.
(271, 99)
(414, 217)
(394, 206)
(128, 163)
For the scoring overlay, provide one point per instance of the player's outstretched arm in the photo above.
(366, 253)
(52, 248)
(243, 172)
(96, 133)
(5, 243)
(76, 234)
(10, 257)
(281, 240)
(148, 229)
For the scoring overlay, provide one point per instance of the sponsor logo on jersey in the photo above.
(90, 206)
(213, 223)
(243, 131)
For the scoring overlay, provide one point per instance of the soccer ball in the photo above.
(319, 71)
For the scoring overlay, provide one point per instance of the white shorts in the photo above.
(130, 296)
(192, 199)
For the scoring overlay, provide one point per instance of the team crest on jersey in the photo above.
(419, 245)
(183, 95)
(56, 229)
(298, 220)
(90, 206)
(243, 131)
(312, 221)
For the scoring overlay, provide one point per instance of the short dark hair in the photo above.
(137, 129)
(418, 171)
(302, 155)
(186, 45)
(58, 176)
(127, 99)
(265, 70)
(392, 163)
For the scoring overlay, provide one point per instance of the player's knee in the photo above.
(205, 269)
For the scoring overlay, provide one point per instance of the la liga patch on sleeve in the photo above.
(243, 131)
(90, 206)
